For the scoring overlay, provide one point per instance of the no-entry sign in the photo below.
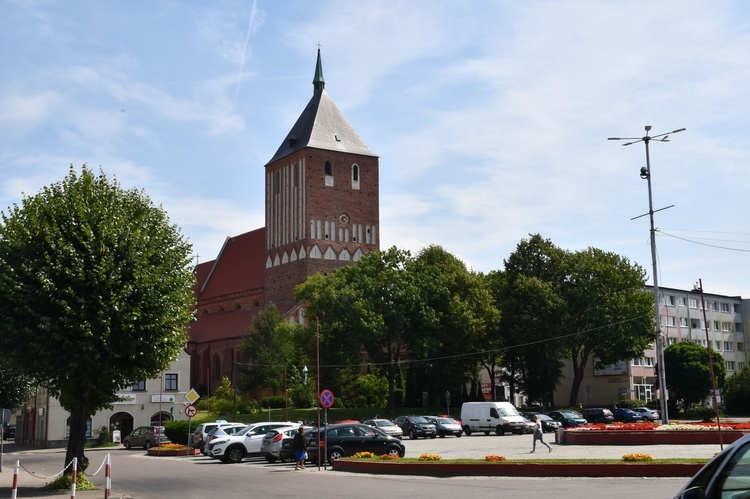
(326, 398)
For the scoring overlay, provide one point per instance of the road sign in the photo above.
(192, 396)
(326, 398)
(191, 411)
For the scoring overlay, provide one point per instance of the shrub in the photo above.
(274, 402)
(429, 457)
(389, 457)
(496, 459)
(177, 431)
(103, 437)
(637, 457)
(363, 455)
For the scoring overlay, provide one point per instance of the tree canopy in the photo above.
(96, 292)
(736, 393)
(686, 367)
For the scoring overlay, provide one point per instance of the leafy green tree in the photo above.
(371, 309)
(270, 346)
(607, 312)
(688, 372)
(462, 313)
(736, 392)
(15, 387)
(529, 295)
(96, 291)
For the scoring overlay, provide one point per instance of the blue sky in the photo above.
(490, 117)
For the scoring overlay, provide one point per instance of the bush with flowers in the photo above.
(495, 459)
(429, 457)
(363, 455)
(673, 426)
(389, 457)
(637, 457)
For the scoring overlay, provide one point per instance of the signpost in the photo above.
(4, 419)
(190, 411)
(326, 400)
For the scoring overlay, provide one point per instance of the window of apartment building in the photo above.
(138, 386)
(717, 345)
(693, 302)
(670, 321)
(170, 382)
(681, 301)
(726, 326)
(717, 326)
(695, 323)
(741, 365)
(726, 308)
(737, 308)
(683, 321)
(671, 341)
(648, 361)
(728, 346)
(730, 365)
(740, 346)
(638, 362)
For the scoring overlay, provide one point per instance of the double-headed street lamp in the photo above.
(646, 175)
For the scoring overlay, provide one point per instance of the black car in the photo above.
(568, 418)
(549, 425)
(9, 432)
(416, 426)
(341, 440)
(726, 475)
(597, 415)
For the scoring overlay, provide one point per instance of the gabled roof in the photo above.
(321, 126)
(222, 325)
(239, 267)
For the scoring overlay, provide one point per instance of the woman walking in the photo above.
(299, 446)
(538, 434)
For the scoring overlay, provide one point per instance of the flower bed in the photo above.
(172, 450)
(650, 434)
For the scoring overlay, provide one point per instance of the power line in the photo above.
(705, 244)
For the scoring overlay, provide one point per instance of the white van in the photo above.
(500, 417)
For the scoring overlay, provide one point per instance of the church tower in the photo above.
(322, 198)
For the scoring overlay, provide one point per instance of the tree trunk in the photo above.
(578, 371)
(79, 418)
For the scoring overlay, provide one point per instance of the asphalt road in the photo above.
(137, 475)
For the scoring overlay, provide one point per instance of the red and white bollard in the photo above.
(108, 477)
(14, 494)
(75, 477)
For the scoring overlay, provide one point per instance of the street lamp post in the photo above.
(646, 175)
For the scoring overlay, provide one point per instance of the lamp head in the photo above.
(644, 172)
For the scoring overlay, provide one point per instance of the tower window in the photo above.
(355, 173)
(329, 169)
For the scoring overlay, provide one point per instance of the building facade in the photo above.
(682, 319)
(43, 423)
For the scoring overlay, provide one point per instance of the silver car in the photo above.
(445, 426)
(386, 426)
(277, 443)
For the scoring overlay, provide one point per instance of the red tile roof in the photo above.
(222, 325)
(239, 267)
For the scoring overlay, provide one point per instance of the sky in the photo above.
(490, 118)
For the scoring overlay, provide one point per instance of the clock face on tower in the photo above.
(344, 218)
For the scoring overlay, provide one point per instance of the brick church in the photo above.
(322, 213)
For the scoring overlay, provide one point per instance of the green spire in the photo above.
(318, 81)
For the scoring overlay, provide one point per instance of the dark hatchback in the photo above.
(341, 440)
(549, 425)
(598, 415)
(416, 426)
(569, 419)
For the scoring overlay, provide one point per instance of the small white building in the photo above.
(43, 423)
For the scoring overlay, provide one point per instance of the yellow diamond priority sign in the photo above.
(192, 396)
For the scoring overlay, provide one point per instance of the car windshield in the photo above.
(418, 419)
(543, 417)
(446, 421)
(383, 422)
(570, 414)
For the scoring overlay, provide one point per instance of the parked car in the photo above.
(727, 475)
(386, 426)
(146, 437)
(9, 431)
(224, 429)
(598, 415)
(278, 443)
(416, 426)
(568, 418)
(445, 426)
(197, 439)
(646, 413)
(529, 425)
(548, 424)
(340, 440)
(624, 415)
(245, 443)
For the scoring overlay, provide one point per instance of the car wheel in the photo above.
(234, 455)
(499, 430)
(433, 436)
(413, 435)
(467, 430)
(147, 445)
(486, 433)
(442, 435)
(393, 451)
(127, 444)
(458, 435)
(335, 454)
(270, 459)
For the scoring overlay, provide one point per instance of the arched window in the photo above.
(329, 169)
(355, 173)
